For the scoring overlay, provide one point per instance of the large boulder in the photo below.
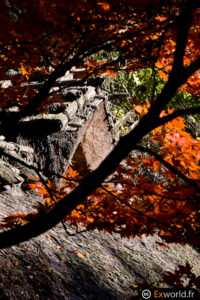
(52, 140)
(63, 263)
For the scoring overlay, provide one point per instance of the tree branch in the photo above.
(87, 186)
(179, 113)
(179, 73)
(134, 209)
(169, 166)
(184, 21)
(150, 192)
(93, 180)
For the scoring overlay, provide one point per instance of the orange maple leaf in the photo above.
(72, 173)
(111, 73)
(105, 6)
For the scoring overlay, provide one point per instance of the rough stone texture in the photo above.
(48, 141)
(54, 151)
(90, 265)
(55, 136)
(9, 174)
(56, 265)
(96, 144)
(11, 171)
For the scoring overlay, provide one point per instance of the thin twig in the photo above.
(180, 112)
(134, 209)
(148, 192)
(169, 166)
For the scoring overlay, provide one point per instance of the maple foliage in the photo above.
(151, 189)
(63, 40)
(165, 61)
(132, 203)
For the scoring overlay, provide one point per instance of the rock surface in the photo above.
(48, 141)
(88, 265)
(95, 144)
(59, 265)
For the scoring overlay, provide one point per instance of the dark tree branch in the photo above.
(169, 166)
(179, 113)
(87, 186)
(184, 22)
(134, 209)
(179, 73)
(150, 192)
(84, 52)
(94, 180)
(193, 67)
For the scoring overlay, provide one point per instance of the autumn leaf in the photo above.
(25, 71)
(163, 75)
(72, 173)
(105, 6)
(111, 73)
